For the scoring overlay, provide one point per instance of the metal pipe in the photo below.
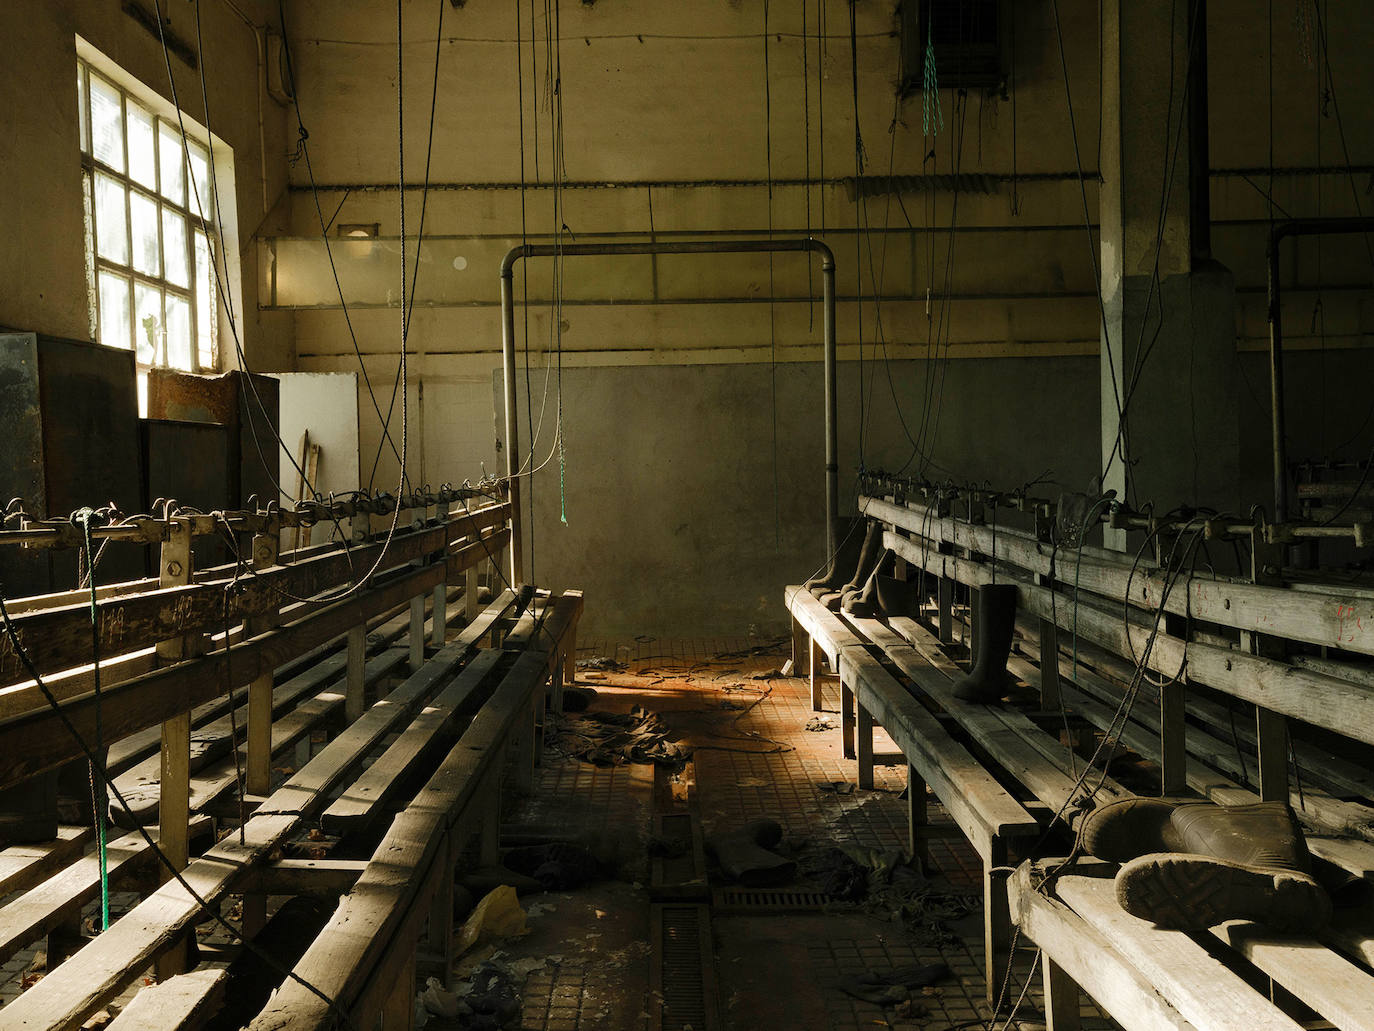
(832, 474)
(1293, 227)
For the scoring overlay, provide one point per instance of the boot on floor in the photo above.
(869, 555)
(994, 620)
(864, 601)
(843, 562)
(744, 854)
(1246, 862)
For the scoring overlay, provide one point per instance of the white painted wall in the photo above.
(326, 405)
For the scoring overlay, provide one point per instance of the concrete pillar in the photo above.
(1168, 344)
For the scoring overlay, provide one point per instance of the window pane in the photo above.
(173, 163)
(178, 332)
(148, 323)
(143, 221)
(174, 248)
(200, 176)
(107, 124)
(114, 310)
(206, 322)
(81, 109)
(111, 227)
(142, 153)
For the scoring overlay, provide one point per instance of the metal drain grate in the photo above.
(760, 900)
(683, 972)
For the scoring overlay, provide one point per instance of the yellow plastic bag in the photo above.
(498, 915)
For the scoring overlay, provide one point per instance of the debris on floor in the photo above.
(745, 854)
(825, 721)
(616, 738)
(602, 664)
(557, 866)
(498, 915)
(895, 987)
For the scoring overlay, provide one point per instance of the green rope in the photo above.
(932, 115)
(97, 776)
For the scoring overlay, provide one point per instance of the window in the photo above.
(150, 230)
(964, 36)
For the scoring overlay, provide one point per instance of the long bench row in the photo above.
(1084, 937)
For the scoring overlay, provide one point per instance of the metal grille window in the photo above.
(150, 237)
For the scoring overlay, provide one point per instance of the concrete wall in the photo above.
(42, 263)
(669, 133)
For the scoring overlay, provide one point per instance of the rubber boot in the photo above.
(842, 563)
(1129, 827)
(994, 619)
(864, 601)
(869, 554)
(743, 854)
(1237, 863)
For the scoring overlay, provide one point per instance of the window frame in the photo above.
(188, 210)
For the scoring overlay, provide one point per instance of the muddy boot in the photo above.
(1238, 863)
(864, 601)
(869, 555)
(994, 619)
(842, 563)
(1120, 831)
(743, 854)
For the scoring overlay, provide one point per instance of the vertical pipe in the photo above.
(1276, 383)
(517, 541)
(1199, 160)
(832, 457)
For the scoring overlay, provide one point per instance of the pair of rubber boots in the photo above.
(859, 580)
(1192, 866)
(849, 579)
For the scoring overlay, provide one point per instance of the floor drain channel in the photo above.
(759, 900)
(683, 971)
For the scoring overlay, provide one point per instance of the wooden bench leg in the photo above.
(439, 630)
(918, 818)
(489, 846)
(398, 1012)
(354, 700)
(865, 749)
(1061, 997)
(846, 720)
(472, 605)
(417, 632)
(439, 931)
(996, 918)
(801, 650)
(945, 600)
(813, 670)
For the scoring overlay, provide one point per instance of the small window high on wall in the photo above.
(151, 228)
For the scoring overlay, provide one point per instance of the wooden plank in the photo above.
(364, 927)
(818, 621)
(40, 740)
(100, 971)
(318, 878)
(1205, 992)
(1334, 987)
(23, 866)
(1323, 701)
(182, 1002)
(1036, 760)
(982, 807)
(375, 790)
(1086, 955)
(60, 898)
(1342, 619)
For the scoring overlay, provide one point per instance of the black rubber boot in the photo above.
(1245, 862)
(864, 601)
(1129, 827)
(842, 563)
(743, 854)
(994, 619)
(869, 555)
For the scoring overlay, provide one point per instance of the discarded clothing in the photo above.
(616, 738)
(895, 986)
(825, 721)
(603, 663)
(558, 866)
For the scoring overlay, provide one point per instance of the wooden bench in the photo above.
(987, 814)
(1078, 649)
